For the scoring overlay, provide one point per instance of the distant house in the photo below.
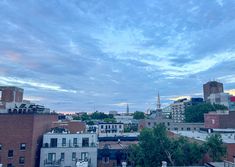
(110, 129)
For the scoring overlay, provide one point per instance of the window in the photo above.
(63, 141)
(73, 156)
(51, 157)
(188, 129)
(9, 165)
(22, 146)
(102, 126)
(105, 160)
(53, 142)
(175, 128)
(84, 155)
(85, 142)
(75, 142)
(10, 153)
(120, 126)
(0, 147)
(21, 160)
(62, 156)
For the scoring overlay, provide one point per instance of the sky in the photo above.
(74, 56)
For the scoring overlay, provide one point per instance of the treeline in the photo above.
(95, 116)
(155, 146)
(196, 113)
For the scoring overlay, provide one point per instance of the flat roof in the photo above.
(228, 138)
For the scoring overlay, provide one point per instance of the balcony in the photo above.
(83, 162)
(52, 163)
(69, 145)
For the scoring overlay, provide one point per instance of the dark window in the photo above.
(73, 156)
(175, 128)
(0, 147)
(10, 153)
(168, 123)
(120, 126)
(188, 129)
(102, 126)
(53, 142)
(9, 165)
(75, 142)
(149, 123)
(105, 160)
(182, 128)
(22, 146)
(85, 142)
(62, 156)
(63, 141)
(21, 160)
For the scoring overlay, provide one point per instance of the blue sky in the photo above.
(85, 55)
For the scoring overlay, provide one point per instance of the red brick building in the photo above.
(219, 121)
(21, 137)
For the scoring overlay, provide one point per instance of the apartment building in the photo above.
(64, 149)
(178, 108)
(110, 129)
(21, 138)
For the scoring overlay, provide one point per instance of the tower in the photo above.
(212, 87)
(158, 102)
(127, 109)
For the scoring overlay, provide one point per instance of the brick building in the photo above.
(212, 87)
(21, 138)
(11, 94)
(219, 120)
(112, 151)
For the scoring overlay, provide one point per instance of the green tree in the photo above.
(196, 113)
(215, 147)
(110, 120)
(85, 117)
(155, 146)
(138, 115)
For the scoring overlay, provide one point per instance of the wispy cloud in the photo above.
(112, 52)
(40, 85)
(227, 78)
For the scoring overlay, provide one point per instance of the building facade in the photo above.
(170, 125)
(110, 129)
(11, 101)
(178, 108)
(21, 138)
(113, 151)
(63, 149)
(219, 120)
(223, 99)
(212, 87)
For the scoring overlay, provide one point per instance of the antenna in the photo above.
(158, 102)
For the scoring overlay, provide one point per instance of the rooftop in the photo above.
(228, 138)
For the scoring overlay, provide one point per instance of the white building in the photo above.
(126, 119)
(110, 129)
(178, 109)
(62, 149)
(220, 98)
